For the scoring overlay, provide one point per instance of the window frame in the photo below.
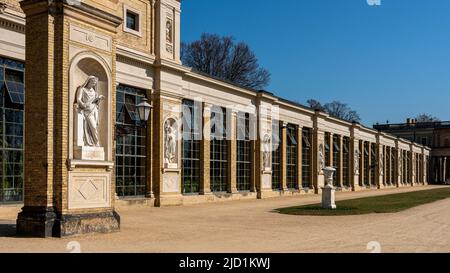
(194, 160)
(131, 148)
(243, 155)
(127, 9)
(306, 158)
(219, 156)
(292, 156)
(12, 129)
(276, 155)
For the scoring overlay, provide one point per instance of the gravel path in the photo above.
(252, 226)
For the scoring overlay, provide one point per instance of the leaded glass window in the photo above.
(130, 143)
(346, 161)
(388, 165)
(327, 150)
(191, 147)
(291, 157)
(243, 152)
(373, 165)
(366, 164)
(306, 158)
(276, 155)
(336, 160)
(12, 90)
(219, 151)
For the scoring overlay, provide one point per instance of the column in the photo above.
(205, 163)
(341, 161)
(69, 184)
(380, 172)
(255, 169)
(330, 142)
(318, 159)
(412, 168)
(149, 160)
(354, 163)
(370, 165)
(444, 167)
(299, 157)
(232, 151)
(283, 156)
(363, 164)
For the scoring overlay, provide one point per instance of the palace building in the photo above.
(75, 77)
(435, 135)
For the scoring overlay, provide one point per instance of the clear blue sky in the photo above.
(388, 62)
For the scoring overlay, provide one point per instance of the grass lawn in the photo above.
(376, 204)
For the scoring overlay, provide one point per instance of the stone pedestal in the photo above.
(328, 192)
(328, 197)
(89, 153)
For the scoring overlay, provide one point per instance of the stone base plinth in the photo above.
(36, 222)
(328, 197)
(45, 222)
(71, 225)
(89, 153)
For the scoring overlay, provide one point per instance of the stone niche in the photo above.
(84, 66)
(90, 132)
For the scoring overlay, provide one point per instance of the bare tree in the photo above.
(426, 118)
(315, 104)
(336, 109)
(220, 57)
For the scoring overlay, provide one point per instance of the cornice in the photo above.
(12, 26)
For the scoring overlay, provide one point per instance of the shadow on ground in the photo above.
(7, 230)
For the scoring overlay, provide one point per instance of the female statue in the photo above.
(170, 143)
(267, 151)
(88, 101)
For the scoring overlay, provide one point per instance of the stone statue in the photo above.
(321, 158)
(88, 100)
(169, 31)
(266, 151)
(356, 162)
(170, 143)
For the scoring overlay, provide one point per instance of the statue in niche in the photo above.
(321, 158)
(266, 151)
(88, 100)
(170, 142)
(356, 162)
(169, 31)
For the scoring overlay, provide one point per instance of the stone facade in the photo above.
(136, 43)
(435, 135)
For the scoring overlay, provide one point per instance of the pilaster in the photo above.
(283, 147)
(205, 148)
(299, 157)
(232, 153)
